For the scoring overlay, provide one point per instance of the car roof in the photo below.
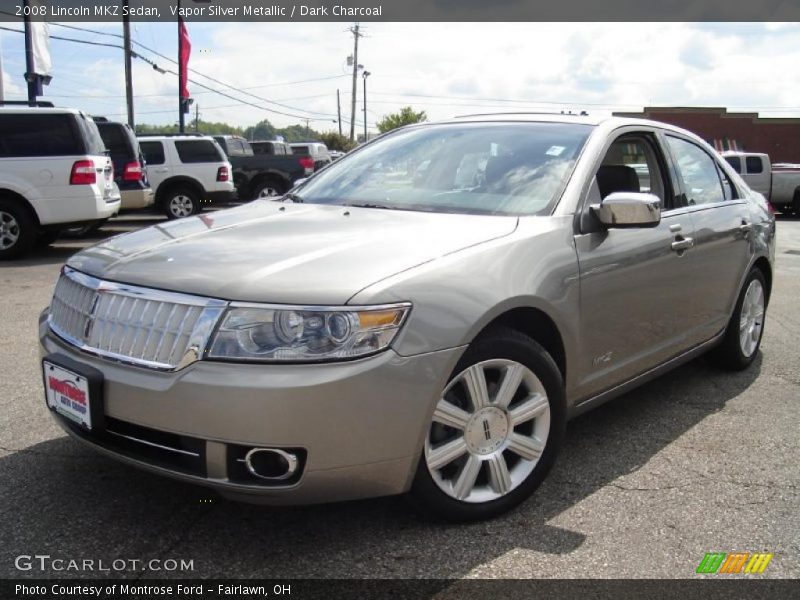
(158, 136)
(46, 110)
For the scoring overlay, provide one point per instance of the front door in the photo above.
(632, 292)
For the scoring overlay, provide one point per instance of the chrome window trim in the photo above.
(211, 311)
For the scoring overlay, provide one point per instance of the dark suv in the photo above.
(129, 172)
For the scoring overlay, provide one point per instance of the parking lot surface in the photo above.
(697, 461)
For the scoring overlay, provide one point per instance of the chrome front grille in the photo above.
(142, 326)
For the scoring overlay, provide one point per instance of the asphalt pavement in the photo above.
(697, 461)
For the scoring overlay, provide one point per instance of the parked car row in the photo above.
(64, 170)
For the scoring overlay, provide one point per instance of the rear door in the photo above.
(722, 250)
(158, 166)
(632, 280)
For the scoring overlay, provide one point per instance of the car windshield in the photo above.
(485, 168)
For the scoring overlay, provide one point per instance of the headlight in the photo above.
(305, 334)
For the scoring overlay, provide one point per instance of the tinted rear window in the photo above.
(116, 138)
(300, 150)
(153, 152)
(735, 162)
(754, 164)
(91, 136)
(198, 151)
(39, 135)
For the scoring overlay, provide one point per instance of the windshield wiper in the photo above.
(369, 205)
(290, 196)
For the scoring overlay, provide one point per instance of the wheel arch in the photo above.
(763, 265)
(179, 181)
(5, 193)
(269, 176)
(539, 326)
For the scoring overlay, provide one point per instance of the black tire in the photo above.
(729, 354)
(84, 230)
(499, 343)
(46, 238)
(18, 231)
(180, 202)
(260, 187)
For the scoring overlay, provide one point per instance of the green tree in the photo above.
(336, 141)
(406, 116)
(263, 130)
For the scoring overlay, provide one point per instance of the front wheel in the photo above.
(494, 433)
(746, 327)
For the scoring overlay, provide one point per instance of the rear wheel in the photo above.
(267, 189)
(18, 232)
(180, 202)
(746, 327)
(495, 431)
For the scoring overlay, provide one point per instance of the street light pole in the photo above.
(365, 75)
(30, 77)
(181, 120)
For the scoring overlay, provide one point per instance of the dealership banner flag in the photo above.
(184, 50)
(40, 44)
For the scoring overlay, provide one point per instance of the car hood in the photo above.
(268, 251)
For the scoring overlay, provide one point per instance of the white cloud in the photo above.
(456, 68)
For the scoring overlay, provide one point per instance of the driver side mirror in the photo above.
(628, 209)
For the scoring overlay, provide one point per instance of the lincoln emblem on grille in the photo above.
(87, 330)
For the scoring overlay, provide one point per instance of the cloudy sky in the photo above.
(444, 69)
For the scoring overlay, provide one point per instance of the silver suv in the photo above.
(422, 316)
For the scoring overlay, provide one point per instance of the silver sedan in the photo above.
(421, 317)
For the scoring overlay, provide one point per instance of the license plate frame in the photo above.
(84, 384)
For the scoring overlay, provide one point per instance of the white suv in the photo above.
(186, 171)
(54, 173)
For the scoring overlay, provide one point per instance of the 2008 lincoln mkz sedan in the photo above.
(422, 316)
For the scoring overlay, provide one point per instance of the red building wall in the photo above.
(780, 138)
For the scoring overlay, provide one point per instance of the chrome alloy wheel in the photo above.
(9, 230)
(489, 430)
(181, 205)
(751, 321)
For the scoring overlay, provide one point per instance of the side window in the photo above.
(38, 135)
(699, 172)
(197, 151)
(153, 152)
(754, 164)
(735, 162)
(631, 165)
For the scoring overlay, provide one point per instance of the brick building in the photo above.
(780, 138)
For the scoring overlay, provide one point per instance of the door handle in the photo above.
(746, 226)
(681, 243)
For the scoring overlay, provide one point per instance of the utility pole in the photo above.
(30, 77)
(196, 117)
(366, 74)
(126, 31)
(338, 105)
(2, 96)
(356, 34)
(308, 130)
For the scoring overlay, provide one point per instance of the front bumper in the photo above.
(360, 424)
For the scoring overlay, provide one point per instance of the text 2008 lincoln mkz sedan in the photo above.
(422, 316)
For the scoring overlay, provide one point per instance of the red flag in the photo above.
(184, 50)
